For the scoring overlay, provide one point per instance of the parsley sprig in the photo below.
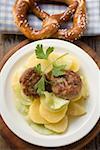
(38, 68)
(40, 85)
(40, 53)
(58, 70)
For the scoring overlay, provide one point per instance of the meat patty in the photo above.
(28, 79)
(67, 86)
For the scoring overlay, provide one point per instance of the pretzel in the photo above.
(50, 22)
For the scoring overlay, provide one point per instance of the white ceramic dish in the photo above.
(78, 128)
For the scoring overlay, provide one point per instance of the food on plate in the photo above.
(76, 109)
(28, 79)
(51, 23)
(59, 127)
(67, 86)
(49, 89)
(52, 116)
(34, 113)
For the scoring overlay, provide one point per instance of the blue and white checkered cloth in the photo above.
(7, 24)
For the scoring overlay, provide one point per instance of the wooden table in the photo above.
(8, 41)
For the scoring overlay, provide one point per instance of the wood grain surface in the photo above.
(7, 42)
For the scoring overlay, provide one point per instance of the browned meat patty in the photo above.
(28, 79)
(67, 86)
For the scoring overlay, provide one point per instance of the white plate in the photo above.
(78, 128)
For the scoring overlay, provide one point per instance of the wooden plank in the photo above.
(93, 42)
(3, 144)
(1, 48)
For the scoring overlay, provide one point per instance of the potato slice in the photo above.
(75, 63)
(50, 115)
(59, 127)
(76, 109)
(61, 61)
(34, 114)
(85, 92)
(33, 61)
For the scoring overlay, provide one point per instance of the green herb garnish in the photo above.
(40, 53)
(38, 68)
(58, 70)
(40, 85)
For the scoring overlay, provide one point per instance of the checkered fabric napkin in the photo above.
(7, 24)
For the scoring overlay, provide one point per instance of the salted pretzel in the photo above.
(50, 22)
